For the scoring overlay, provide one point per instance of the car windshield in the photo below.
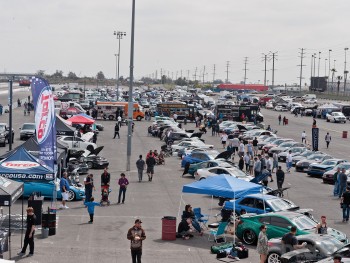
(238, 173)
(328, 162)
(2, 128)
(28, 127)
(272, 139)
(278, 205)
(345, 166)
(337, 114)
(286, 144)
(304, 223)
(315, 156)
(330, 245)
(306, 153)
(278, 143)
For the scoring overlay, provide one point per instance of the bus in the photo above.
(234, 112)
(344, 108)
(108, 109)
(182, 110)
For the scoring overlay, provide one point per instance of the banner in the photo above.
(45, 121)
(315, 137)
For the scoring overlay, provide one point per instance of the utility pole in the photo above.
(227, 66)
(156, 74)
(245, 69)
(213, 74)
(203, 74)
(329, 62)
(188, 75)
(345, 71)
(195, 75)
(181, 73)
(312, 62)
(265, 62)
(274, 57)
(301, 67)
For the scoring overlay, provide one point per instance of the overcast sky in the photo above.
(174, 35)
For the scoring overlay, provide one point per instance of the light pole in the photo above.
(345, 72)
(329, 62)
(325, 67)
(318, 70)
(333, 72)
(312, 62)
(131, 78)
(119, 36)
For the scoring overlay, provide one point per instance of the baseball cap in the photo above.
(138, 221)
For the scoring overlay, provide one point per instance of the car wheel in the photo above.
(90, 148)
(71, 195)
(249, 237)
(327, 120)
(273, 258)
(90, 165)
(138, 118)
(202, 178)
(111, 117)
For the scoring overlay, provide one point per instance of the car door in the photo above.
(278, 227)
(247, 203)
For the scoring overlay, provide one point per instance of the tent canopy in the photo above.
(24, 166)
(62, 128)
(85, 115)
(10, 191)
(78, 119)
(222, 185)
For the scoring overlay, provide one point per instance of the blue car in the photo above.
(318, 169)
(199, 156)
(47, 189)
(262, 203)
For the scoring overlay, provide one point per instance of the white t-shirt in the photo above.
(241, 147)
(289, 158)
(224, 137)
(119, 118)
(303, 135)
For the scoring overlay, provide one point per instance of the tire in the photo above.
(249, 237)
(139, 118)
(71, 195)
(202, 178)
(273, 258)
(111, 117)
(327, 120)
(90, 165)
(90, 148)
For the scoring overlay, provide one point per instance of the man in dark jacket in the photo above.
(116, 131)
(105, 179)
(140, 164)
(280, 178)
(151, 162)
(136, 235)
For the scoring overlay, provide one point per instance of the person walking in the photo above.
(29, 235)
(303, 137)
(274, 161)
(116, 131)
(328, 139)
(136, 235)
(123, 184)
(257, 167)
(279, 119)
(255, 146)
(64, 188)
(336, 182)
(105, 179)
(119, 121)
(289, 161)
(223, 140)
(250, 148)
(280, 178)
(345, 204)
(269, 165)
(235, 144)
(151, 162)
(241, 149)
(246, 159)
(90, 204)
(140, 164)
(89, 186)
(342, 179)
(284, 120)
(262, 246)
(241, 163)
(94, 137)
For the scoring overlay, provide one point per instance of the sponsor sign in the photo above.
(45, 121)
(19, 165)
(315, 138)
(28, 177)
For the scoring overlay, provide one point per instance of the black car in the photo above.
(5, 134)
(94, 161)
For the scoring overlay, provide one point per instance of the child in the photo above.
(104, 197)
(91, 208)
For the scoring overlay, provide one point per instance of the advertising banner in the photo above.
(44, 120)
(315, 138)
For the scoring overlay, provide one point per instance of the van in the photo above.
(309, 96)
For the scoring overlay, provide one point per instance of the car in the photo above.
(47, 190)
(262, 203)
(191, 149)
(280, 108)
(269, 106)
(208, 164)
(197, 157)
(318, 169)
(275, 143)
(328, 176)
(336, 117)
(282, 156)
(303, 164)
(74, 163)
(318, 247)
(27, 131)
(77, 143)
(99, 127)
(213, 171)
(285, 146)
(254, 133)
(305, 154)
(344, 252)
(185, 144)
(279, 223)
(310, 101)
(269, 140)
(5, 134)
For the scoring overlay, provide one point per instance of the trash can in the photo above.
(49, 221)
(169, 228)
(44, 232)
(286, 121)
(345, 134)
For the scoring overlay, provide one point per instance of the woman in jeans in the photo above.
(188, 213)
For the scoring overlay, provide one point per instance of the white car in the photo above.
(213, 171)
(204, 148)
(269, 106)
(336, 117)
(310, 101)
(76, 143)
(185, 144)
(280, 108)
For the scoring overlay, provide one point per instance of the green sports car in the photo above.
(278, 224)
(208, 164)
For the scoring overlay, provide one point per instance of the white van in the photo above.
(309, 96)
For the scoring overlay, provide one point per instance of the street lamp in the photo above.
(119, 36)
(329, 62)
(345, 71)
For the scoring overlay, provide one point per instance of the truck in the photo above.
(108, 110)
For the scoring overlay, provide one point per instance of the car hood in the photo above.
(338, 235)
(28, 130)
(288, 257)
(321, 166)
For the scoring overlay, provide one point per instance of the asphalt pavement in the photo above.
(105, 240)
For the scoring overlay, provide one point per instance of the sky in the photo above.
(175, 35)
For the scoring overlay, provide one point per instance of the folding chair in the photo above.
(220, 232)
(202, 219)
